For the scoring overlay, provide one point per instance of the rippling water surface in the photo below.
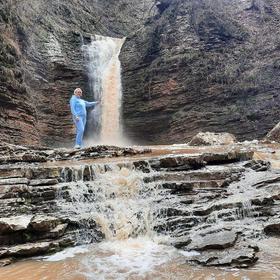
(136, 259)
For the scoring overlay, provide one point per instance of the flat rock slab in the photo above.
(57, 232)
(13, 224)
(217, 240)
(43, 223)
(234, 155)
(31, 249)
(242, 257)
(14, 181)
(11, 172)
(177, 163)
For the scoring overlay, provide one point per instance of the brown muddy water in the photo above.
(137, 259)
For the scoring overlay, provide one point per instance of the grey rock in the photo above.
(31, 249)
(6, 261)
(43, 223)
(14, 181)
(227, 157)
(217, 240)
(16, 223)
(241, 257)
(258, 165)
(211, 138)
(173, 163)
(56, 232)
(272, 229)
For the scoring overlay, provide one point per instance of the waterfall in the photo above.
(104, 70)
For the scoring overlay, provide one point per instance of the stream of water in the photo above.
(104, 70)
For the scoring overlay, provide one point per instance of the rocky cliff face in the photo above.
(204, 65)
(42, 62)
(187, 66)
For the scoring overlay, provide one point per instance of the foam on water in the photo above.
(123, 259)
(67, 253)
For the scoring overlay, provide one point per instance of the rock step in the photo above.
(225, 173)
(36, 248)
(176, 223)
(234, 206)
(190, 185)
(240, 256)
(216, 240)
(186, 162)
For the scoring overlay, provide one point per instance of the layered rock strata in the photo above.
(227, 201)
(203, 66)
(188, 66)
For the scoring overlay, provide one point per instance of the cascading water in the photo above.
(104, 70)
(117, 198)
(115, 201)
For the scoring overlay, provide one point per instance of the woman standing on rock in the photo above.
(79, 113)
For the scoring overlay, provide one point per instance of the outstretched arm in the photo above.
(91, 104)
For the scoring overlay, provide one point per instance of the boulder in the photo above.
(13, 224)
(274, 134)
(211, 138)
(272, 229)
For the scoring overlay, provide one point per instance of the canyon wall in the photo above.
(203, 66)
(188, 66)
(42, 62)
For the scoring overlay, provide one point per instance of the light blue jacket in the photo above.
(78, 106)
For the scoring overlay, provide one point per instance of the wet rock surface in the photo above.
(217, 240)
(241, 257)
(23, 154)
(273, 229)
(226, 201)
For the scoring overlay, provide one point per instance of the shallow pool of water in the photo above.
(137, 259)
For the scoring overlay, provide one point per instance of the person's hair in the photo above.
(75, 91)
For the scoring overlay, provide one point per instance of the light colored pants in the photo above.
(80, 129)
